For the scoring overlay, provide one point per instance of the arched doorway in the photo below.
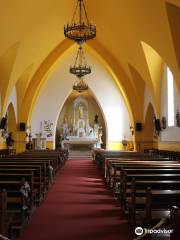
(11, 125)
(149, 128)
(81, 116)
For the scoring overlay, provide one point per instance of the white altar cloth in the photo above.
(81, 140)
(74, 140)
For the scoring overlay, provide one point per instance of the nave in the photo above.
(102, 75)
(78, 206)
(105, 194)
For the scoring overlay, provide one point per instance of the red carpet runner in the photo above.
(78, 207)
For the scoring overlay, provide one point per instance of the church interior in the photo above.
(90, 120)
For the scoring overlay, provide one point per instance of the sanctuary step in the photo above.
(82, 154)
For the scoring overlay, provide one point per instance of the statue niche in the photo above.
(78, 130)
(81, 128)
(81, 117)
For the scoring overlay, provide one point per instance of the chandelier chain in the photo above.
(80, 29)
(85, 13)
(74, 14)
(81, 56)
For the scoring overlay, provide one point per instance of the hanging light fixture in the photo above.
(80, 29)
(80, 85)
(80, 67)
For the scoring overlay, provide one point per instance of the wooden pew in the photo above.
(13, 168)
(153, 179)
(100, 156)
(62, 155)
(43, 162)
(40, 180)
(149, 202)
(172, 155)
(114, 167)
(175, 223)
(51, 161)
(107, 162)
(13, 182)
(5, 218)
(7, 152)
(11, 212)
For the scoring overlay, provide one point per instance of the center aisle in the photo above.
(78, 207)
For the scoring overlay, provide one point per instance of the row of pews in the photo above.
(35, 169)
(172, 155)
(147, 188)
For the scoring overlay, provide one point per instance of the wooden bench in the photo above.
(114, 167)
(42, 178)
(100, 156)
(5, 218)
(150, 198)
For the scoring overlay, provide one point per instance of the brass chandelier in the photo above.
(80, 29)
(80, 85)
(80, 67)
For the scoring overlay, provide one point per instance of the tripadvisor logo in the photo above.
(138, 231)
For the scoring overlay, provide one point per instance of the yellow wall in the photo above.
(171, 146)
(20, 141)
(120, 146)
(50, 145)
(2, 142)
(115, 146)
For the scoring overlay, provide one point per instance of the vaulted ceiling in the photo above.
(134, 40)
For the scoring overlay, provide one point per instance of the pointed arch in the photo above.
(7, 61)
(59, 85)
(58, 56)
(149, 127)
(11, 123)
(156, 67)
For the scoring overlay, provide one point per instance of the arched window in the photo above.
(170, 91)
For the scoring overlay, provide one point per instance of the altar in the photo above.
(79, 131)
(71, 141)
(39, 143)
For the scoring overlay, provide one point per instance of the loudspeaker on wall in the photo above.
(138, 127)
(22, 126)
(157, 125)
(3, 123)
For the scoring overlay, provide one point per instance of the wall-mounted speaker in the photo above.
(22, 126)
(138, 127)
(157, 125)
(3, 123)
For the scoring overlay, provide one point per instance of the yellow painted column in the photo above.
(50, 145)
(138, 141)
(19, 141)
(2, 142)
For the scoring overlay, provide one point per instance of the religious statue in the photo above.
(124, 142)
(65, 128)
(96, 121)
(100, 133)
(91, 132)
(9, 140)
(80, 111)
(178, 118)
(163, 123)
(131, 129)
(80, 124)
